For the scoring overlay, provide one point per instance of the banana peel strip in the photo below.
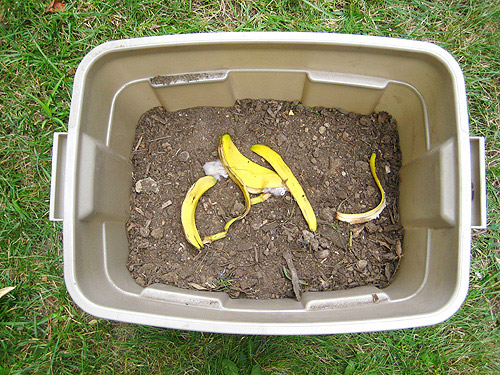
(373, 213)
(290, 181)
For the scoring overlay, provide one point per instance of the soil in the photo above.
(327, 149)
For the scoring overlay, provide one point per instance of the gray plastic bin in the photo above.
(420, 84)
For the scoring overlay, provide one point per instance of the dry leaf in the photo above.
(5, 290)
(55, 6)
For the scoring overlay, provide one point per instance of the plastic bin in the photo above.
(418, 83)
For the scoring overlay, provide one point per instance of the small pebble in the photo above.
(157, 233)
(324, 243)
(237, 209)
(183, 156)
(333, 164)
(326, 213)
(322, 130)
(322, 254)
(362, 263)
(342, 195)
(146, 185)
(365, 121)
(282, 138)
(308, 236)
(371, 227)
(144, 232)
(327, 125)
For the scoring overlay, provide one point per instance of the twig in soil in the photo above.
(295, 278)
(159, 138)
(138, 144)
(381, 243)
(393, 222)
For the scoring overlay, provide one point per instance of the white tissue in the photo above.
(279, 191)
(215, 169)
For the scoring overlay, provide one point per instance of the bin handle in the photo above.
(478, 178)
(56, 206)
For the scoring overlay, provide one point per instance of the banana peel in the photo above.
(188, 209)
(253, 176)
(289, 180)
(373, 213)
(230, 158)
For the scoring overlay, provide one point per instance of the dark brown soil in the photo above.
(327, 149)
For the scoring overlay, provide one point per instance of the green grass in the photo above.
(42, 331)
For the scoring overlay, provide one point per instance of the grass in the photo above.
(42, 331)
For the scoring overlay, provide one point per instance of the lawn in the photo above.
(42, 330)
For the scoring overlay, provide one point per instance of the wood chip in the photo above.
(293, 272)
(357, 231)
(197, 286)
(159, 119)
(387, 272)
(166, 204)
(399, 248)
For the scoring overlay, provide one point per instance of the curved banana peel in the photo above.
(291, 183)
(252, 175)
(373, 213)
(226, 148)
(188, 209)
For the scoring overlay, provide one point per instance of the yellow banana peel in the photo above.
(291, 183)
(252, 175)
(188, 209)
(228, 150)
(368, 215)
